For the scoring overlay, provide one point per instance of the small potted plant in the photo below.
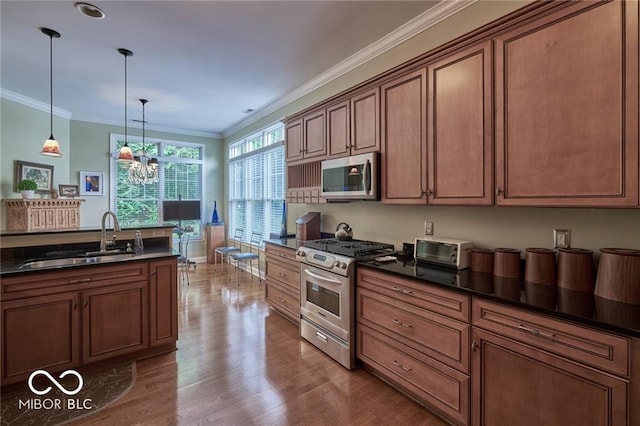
(27, 187)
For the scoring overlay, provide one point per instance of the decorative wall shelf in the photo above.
(42, 214)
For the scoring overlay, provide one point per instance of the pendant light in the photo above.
(125, 155)
(144, 169)
(51, 147)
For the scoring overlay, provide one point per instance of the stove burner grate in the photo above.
(350, 248)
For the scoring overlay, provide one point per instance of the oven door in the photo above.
(325, 299)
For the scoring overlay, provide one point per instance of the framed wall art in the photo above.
(69, 191)
(41, 173)
(91, 183)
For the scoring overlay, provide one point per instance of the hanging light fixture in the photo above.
(125, 155)
(51, 147)
(144, 169)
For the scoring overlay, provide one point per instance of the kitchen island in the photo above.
(59, 314)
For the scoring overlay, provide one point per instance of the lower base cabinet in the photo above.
(61, 319)
(282, 291)
(517, 384)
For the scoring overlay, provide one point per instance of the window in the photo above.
(180, 175)
(257, 183)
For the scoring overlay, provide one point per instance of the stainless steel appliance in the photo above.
(350, 178)
(327, 293)
(443, 251)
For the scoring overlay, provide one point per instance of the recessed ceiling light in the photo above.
(90, 10)
(248, 110)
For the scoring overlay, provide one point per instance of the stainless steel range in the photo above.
(327, 291)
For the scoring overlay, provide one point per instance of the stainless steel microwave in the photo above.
(351, 178)
(443, 251)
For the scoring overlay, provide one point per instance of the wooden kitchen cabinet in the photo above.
(214, 237)
(460, 128)
(403, 139)
(556, 373)
(114, 320)
(567, 108)
(85, 314)
(339, 130)
(163, 296)
(417, 337)
(305, 138)
(282, 290)
(41, 332)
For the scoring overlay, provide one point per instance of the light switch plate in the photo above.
(428, 228)
(562, 238)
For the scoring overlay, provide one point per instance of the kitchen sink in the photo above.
(52, 263)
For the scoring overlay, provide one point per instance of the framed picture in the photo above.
(69, 190)
(91, 183)
(41, 173)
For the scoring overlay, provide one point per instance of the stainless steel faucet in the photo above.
(116, 228)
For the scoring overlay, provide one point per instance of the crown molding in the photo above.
(32, 103)
(420, 23)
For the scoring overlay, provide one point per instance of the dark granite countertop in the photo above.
(11, 268)
(580, 307)
(292, 243)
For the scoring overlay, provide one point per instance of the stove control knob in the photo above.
(336, 263)
(300, 253)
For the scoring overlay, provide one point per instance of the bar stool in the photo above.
(250, 256)
(227, 250)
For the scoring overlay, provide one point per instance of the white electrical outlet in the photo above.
(428, 228)
(562, 238)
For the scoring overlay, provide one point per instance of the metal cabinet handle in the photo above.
(430, 192)
(395, 321)
(474, 346)
(281, 275)
(498, 191)
(79, 280)
(322, 337)
(401, 290)
(397, 364)
(75, 305)
(536, 333)
(86, 303)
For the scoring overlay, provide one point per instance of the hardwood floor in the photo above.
(240, 363)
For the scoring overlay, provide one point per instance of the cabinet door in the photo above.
(293, 140)
(404, 157)
(460, 136)
(163, 307)
(38, 219)
(39, 332)
(517, 384)
(338, 130)
(314, 136)
(365, 122)
(567, 108)
(114, 320)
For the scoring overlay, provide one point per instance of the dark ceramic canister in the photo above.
(540, 266)
(482, 260)
(506, 263)
(619, 275)
(575, 269)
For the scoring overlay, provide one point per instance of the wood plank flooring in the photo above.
(240, 363)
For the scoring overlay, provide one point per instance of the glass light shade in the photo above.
(125, 155)
(51, 148)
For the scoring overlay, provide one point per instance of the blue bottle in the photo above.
(214, 216)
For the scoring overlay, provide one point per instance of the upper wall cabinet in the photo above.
(353, 125)
(403, 140)
(305, 138)
(567, 108)
(460, 136)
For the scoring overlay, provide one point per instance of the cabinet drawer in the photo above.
(442, 338)
(596, 348)
(445, 302)
(281, 252)
(431, 382)
(283, 272)
(284, 301)
(66, 279)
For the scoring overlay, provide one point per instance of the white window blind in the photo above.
(257, 183)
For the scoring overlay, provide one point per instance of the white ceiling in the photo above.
(201, 64)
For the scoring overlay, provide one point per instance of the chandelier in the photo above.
(144, 168)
